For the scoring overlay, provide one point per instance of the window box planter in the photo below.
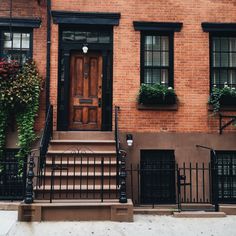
(222, 98)
(228, 100)
(156, 96)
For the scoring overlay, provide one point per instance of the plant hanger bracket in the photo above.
(223, 125)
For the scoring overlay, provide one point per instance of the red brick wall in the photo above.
(191, 59)
(26, 8)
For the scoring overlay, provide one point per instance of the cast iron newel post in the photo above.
(29, 185)
(123, 196)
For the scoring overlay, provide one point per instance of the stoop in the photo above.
(77, 211)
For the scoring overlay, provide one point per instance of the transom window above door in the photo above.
(83, 36)
(223, 61)
(156, 59)
(16, 45)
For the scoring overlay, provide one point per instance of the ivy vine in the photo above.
(20, 90)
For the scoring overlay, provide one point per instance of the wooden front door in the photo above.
(85, 91)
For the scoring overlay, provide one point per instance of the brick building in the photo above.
(187, 45)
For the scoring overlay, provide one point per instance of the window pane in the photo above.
(216, 59)
(156, 43)
(224, 60)
(148, 42)
(216, 44)
(104, 37)
(224, 44)
(92, 37)
(16, 40)
(26, 41)
(164, 76)
(156, 58)
(165, 59)
(148, 76)
(148, 58)
(165, 43)
(80, 36)
(232, 78)
(156, 76)
(232, 44)
(7, 40)
(232, 59)
(216, 77)
(223, 77)
(68, 35)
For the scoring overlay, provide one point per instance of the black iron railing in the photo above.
(12, 181)
(78, 175)
(175, 184)
(46, 137)
(121, 156)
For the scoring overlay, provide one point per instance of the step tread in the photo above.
(84, 152)
(49, 162)
(84, 174)
(198, 214)
(82, 141)
(76, 187)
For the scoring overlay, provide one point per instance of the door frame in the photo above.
(65, 51)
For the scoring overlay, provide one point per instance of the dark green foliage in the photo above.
(20, 95)
(156, 94)
(222, 97)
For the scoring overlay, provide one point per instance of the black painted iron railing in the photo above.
(174, 184)
(46, 137)
(12, 184)
(78, 175)
(121, 156)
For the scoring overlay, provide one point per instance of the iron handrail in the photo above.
(46, 136)
(117, 140)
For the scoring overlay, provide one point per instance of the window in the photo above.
(16, 45)
(156, 59)
(223, 61)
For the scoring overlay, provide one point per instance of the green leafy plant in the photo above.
(19, 95)
(152, 94)
(222, 97)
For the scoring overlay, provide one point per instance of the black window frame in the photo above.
(219, 35)
(171, 55)
(16, 30)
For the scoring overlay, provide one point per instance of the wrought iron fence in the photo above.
(12, 181)
(171, 183)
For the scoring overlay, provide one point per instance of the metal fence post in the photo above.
(29, 186)
(123, 196)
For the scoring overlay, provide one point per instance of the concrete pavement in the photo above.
(143, 225)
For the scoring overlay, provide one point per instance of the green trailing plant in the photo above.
(20, 91)
(152, 94)
(222, 97)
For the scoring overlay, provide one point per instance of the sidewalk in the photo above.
(143, 225)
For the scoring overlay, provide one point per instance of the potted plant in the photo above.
(222, 97)
(156, 94)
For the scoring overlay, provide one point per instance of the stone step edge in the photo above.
(76, 188)
(199, 214)
(85, 152)
(84, 174)
(158, 211)
(64, 141)
(49, 162)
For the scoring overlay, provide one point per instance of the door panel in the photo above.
(85, 91)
